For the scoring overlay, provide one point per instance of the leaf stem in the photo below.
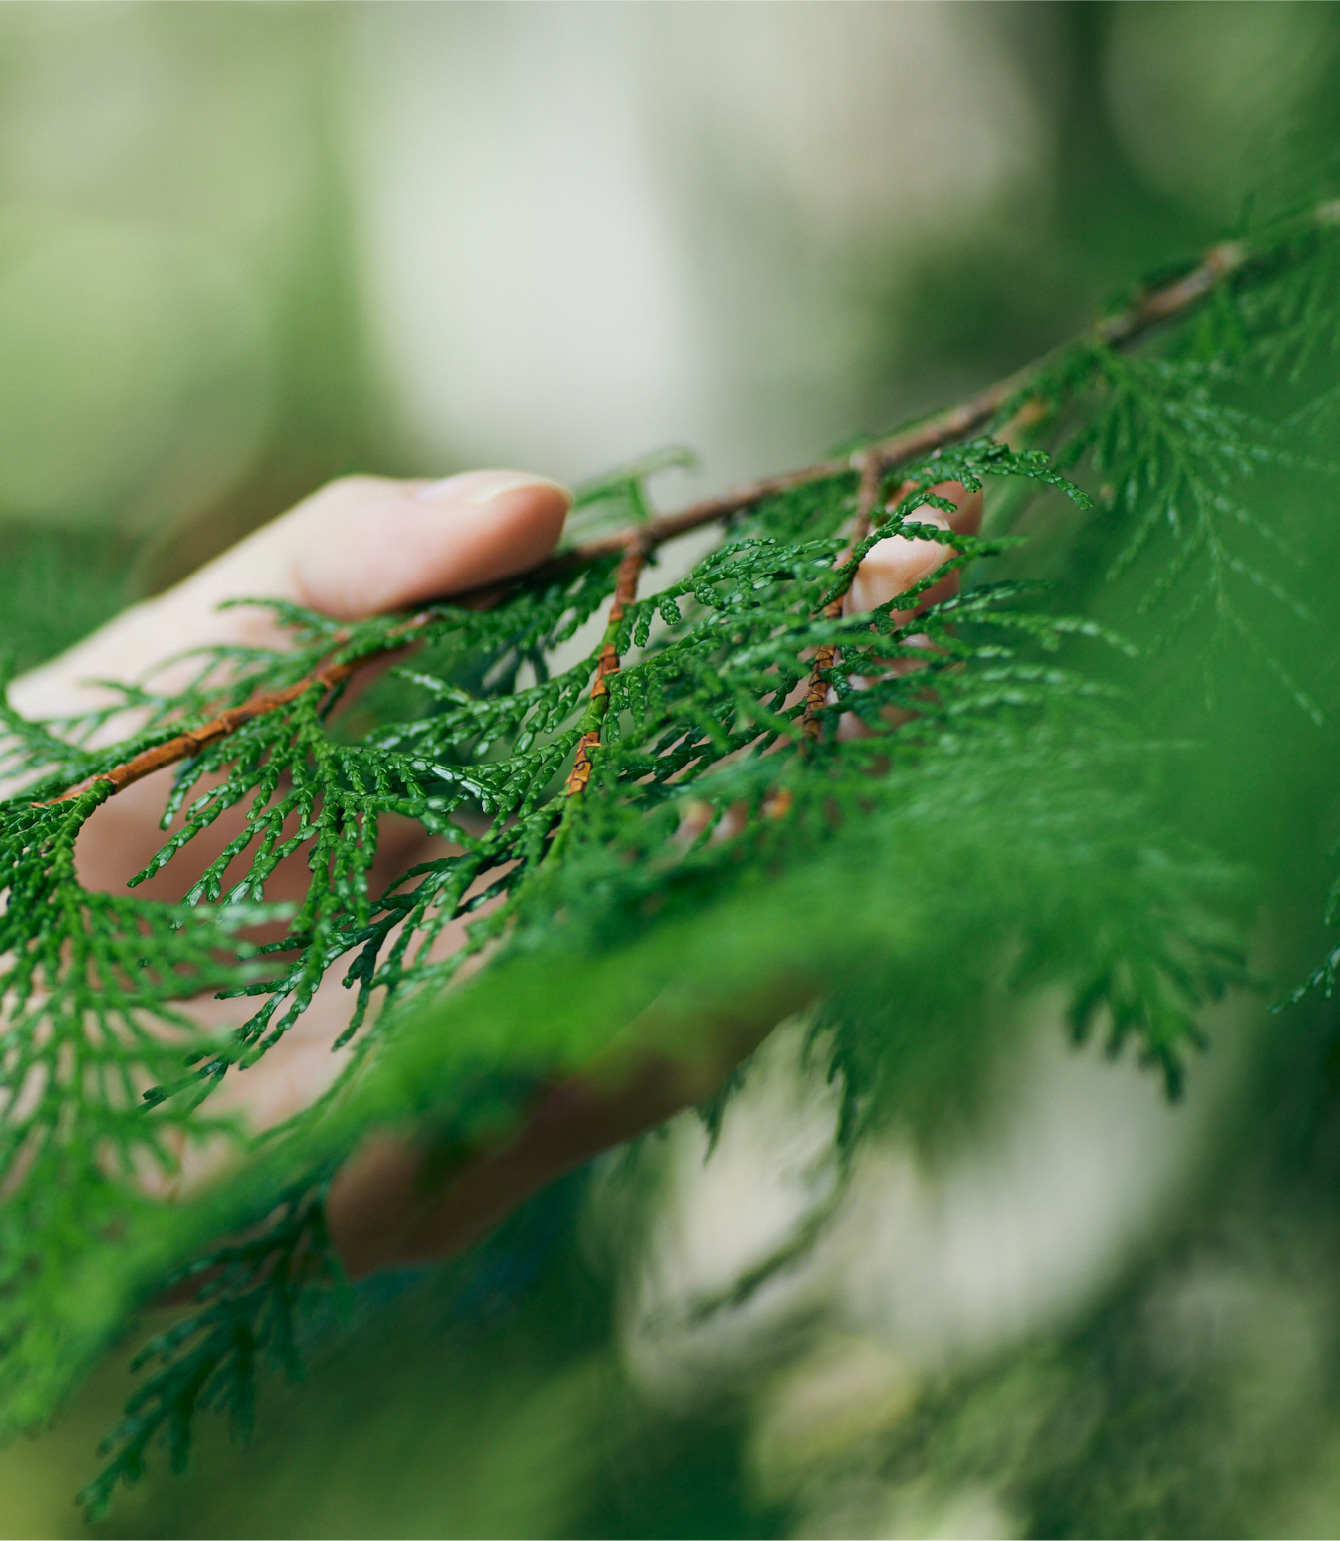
(625, 592)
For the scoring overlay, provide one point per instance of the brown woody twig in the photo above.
(625, 592)
(186, 745)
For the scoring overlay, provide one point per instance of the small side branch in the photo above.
(872, 482)
(187, 745)
(625, 592)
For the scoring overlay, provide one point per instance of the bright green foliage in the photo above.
(1002, 811)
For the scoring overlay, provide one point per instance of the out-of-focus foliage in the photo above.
(178, 300)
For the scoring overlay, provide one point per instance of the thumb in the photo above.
(367, 545)
(359, 546)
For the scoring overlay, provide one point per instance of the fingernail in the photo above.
(482, 487)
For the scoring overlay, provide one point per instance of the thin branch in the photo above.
(625, 592)
(1168, 300)
(187, 745)
(1148, 311)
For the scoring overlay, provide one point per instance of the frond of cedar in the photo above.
(671, 818)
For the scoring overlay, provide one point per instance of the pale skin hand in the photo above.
(359, 547)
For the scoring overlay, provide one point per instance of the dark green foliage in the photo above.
(1003, 813)
(250, 1306)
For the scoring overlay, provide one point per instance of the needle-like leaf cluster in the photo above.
(910, 807)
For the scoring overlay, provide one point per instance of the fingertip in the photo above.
(896, 564)
(967, 516)
(406, 542)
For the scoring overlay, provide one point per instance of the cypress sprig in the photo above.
(668, 830)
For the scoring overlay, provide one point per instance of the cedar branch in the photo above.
(1150, 309)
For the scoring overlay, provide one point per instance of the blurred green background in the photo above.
(246, 248)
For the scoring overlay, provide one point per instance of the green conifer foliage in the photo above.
(661, 843)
